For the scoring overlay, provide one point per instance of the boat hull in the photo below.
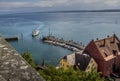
(35, 33)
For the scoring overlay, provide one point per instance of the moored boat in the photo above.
(35, 32)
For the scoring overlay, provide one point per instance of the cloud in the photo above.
(59, 4)
(53, 3)
(12, 4)
(50, 3)
(45, 3)
(112, 2)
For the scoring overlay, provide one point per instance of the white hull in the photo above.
(35, 32)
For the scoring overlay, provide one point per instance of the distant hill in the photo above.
(64, 11)
(105, 10)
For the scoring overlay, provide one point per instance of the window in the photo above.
(105, 54)
(88, 67)
(67, 65)
(114, 52)
(78, 64)
(91, 61)
(94, 67)
(118, 44)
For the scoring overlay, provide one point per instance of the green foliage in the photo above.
(27, 56)
(108, 79)
(53, 74)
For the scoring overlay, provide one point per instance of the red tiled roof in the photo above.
(109, 46)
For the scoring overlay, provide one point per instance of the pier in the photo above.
(11, 38)
(71, 45)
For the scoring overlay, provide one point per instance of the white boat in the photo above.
(35, 32)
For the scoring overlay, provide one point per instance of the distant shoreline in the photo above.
(67, 11)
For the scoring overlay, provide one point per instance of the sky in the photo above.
(14, 6)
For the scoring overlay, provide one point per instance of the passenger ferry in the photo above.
(35, 32)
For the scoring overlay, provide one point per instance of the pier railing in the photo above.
(71, 45)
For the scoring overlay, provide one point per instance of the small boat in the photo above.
(35, 32)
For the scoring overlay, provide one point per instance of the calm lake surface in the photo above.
(80, 27)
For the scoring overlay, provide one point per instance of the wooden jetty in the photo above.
(71, 45)
(11, 38)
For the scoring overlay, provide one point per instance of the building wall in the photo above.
(64, 64)
(109, 65)
(92, 65)
(71, 59)
(106, 67)
(68, 61)
(92, 49)
(117, 62)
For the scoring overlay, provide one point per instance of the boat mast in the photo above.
(50, 34)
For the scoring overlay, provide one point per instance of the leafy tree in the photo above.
(27, 56)
(53, 74)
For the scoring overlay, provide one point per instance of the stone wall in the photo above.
(13, 67)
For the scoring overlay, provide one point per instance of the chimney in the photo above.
(103, 42)
(113, 38)
(97, 39)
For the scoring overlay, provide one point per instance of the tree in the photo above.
(27, 56)
(53, 74)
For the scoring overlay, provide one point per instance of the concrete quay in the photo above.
(71, 45)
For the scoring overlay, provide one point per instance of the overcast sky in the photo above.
(8, 6)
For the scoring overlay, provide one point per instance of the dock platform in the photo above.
(11, 38)
(71, 45)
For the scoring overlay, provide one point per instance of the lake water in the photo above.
(80, 27)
